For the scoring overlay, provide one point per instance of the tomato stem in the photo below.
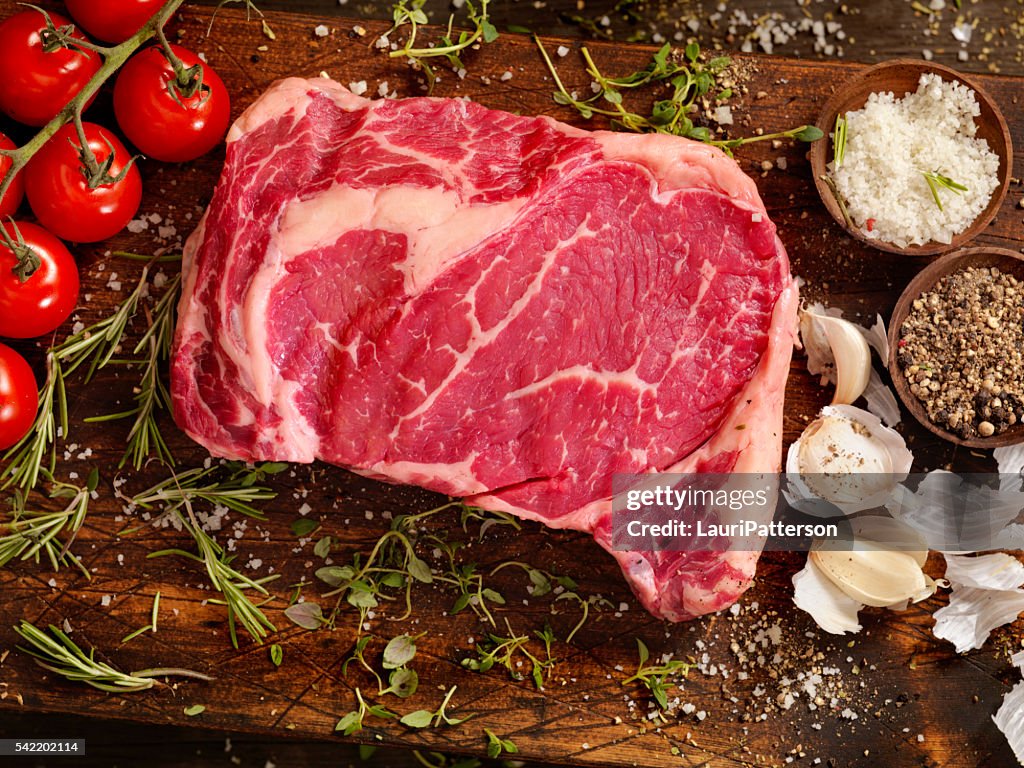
(28, 260)
(113, 59)
(54, 38)
(188, 81)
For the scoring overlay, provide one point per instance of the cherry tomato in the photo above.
(113, 21)
(59, 191)
(12, 197)
(42, 301)
(35, 85)
(158, 125)
(18, 397)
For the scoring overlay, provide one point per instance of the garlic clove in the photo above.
(832, 341)
(873, 575)
(888, 533)
(848, 457)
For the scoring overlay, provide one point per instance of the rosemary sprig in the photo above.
(936, 180)
(693, 83)
(653, 676)
(95, 345)
(237, 490)
(410, 13)
(839, 141)
(151, 394)
(58, 653)
(225, 579)
(31, 534)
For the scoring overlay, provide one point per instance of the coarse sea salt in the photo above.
(892, 142)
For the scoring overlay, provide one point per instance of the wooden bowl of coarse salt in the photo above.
(956, 347)
(912, 175)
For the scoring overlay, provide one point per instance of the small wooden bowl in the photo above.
(901, 76)
(1007, 261)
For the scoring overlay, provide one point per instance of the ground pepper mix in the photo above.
(961, 350)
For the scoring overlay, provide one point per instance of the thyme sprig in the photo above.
(225, 579)
(57, 652)
(95, 345)
(151, 395)
(937, 181)
(423, 718)
(654, 676)
(353, 721)
(496, 745)
(544, 582)
(693, 84)
(32, 534)
(410, 13)
(502, 651)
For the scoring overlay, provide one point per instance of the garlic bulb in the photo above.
(874, 575)
(831, 341)
(849, 458)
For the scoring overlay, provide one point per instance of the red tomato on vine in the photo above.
(38, 281)
(18, 397)
(79, 198)
(169, 115)
(112, 21)
(38, 76)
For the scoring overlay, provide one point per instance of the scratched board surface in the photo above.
(891, 695)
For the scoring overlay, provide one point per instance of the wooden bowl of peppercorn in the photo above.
(956, 347)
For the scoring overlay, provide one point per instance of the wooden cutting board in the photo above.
(893, 694)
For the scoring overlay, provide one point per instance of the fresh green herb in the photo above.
(497, 745)
(136, 633)
(402, 682)
(31, 534)
(58, 653)
(502, 651)
(693, 84)
(144, 436)
(225, 579)
(306, 615)
(323, 547)
(654, 676)
(353, 721)
(276, 655)
(830, 183)
(95, 345)
(839, 141)
(399, 651)
(233, 486)
(366, 751)
(936, 180)
(195, 709)
(487, 520)
(541, 584)
(410, 13)
(156, 609)
(423, 718)
(303, 526)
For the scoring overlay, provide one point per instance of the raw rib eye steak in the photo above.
(496, 307)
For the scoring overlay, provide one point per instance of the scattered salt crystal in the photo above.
(358, 88)
(52, 582)
(321, 30)
(962, 32)
(756, 218)
(723, 115)
(105, 600)
(926, 54)
(135, 226)
(382, 89)
(506, 75)
(562, 51)
(305, 509)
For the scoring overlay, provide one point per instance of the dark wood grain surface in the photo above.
(898, 696)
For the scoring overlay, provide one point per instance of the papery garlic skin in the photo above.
(832, 609)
